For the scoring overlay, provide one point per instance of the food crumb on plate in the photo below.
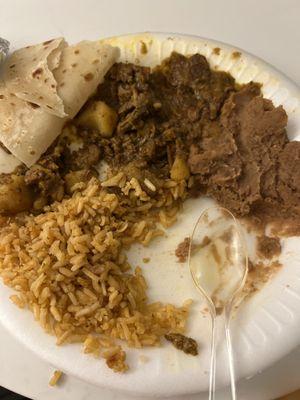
(55, 378)
(182, 250)
(183, 343)
(115, 359)
(268, 247)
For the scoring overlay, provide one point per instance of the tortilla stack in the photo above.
(45, 85)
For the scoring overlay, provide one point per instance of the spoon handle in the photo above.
(227, 317)
(213, 359)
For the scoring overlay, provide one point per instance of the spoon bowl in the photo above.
(218, 256)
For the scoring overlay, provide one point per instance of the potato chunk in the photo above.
(179, 170)
(15, 195)
(99, 116)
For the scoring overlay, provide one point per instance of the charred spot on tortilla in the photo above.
(89, 76)
(1, 97)
(64, 71)
(41, 97)
(34, 106)
(34, 59)
(49, 107)
(96, 61)
(12, 104)
(46, 80)
(236, 54)
(216, 51)
(32, 152)
(37, 72)
(53, 86)
(12, 66)
(74, 65)
(76, 51)
(62, 84)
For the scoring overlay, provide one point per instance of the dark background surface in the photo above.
(7, 395)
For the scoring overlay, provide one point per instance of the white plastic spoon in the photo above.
(219, 264)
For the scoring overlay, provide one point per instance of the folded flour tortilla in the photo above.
(29, 75)
(27, 125)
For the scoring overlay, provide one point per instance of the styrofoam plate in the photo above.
(266, 328)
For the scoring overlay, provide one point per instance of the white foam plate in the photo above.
(267, 326)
